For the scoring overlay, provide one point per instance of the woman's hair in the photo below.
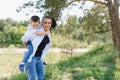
(54, 24)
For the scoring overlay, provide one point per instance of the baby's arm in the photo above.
(25, 38)
(38, 33)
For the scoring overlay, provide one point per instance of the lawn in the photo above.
(101, 63)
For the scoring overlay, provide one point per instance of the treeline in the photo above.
(11, 31)
(94, 26)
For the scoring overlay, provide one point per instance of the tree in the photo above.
(48, 7)
(71, 24)
(112, 5)
(2, 24)
(96, 20)
(113, 8)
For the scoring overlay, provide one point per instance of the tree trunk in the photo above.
(115, 22)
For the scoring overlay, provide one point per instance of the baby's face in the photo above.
(35, 25)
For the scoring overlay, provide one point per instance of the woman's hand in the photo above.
(38, 33)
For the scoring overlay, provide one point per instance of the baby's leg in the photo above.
(26, 56)
(28, 52)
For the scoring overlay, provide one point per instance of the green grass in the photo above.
(98, 64)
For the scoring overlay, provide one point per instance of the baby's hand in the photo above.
(38, 33)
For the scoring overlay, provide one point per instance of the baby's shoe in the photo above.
(45, 63)
(22, 66)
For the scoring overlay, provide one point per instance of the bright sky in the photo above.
(8, 9)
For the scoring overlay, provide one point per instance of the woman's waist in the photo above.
(34, 57)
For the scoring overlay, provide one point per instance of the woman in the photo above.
(41, 44)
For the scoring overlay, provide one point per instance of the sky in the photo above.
(8, 10)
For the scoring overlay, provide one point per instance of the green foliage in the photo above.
(94, 64)
(60, 41)
(70, 34)
(71, 25)
(12, 36)
(10, 22)
(54, 7)
(96, 20)
(2, 24)
(71, 30)
(21, 76)
(97, 64)
(78, 35)
(49, 7)
(11, 31)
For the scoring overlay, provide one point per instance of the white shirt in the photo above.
(36, 41)
(30, 34)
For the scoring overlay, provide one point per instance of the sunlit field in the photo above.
(9, 63)
(10, 59)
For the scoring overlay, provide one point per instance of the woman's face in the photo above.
(47, 24)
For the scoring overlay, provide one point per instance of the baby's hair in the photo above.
(54, 24)
(35, 18)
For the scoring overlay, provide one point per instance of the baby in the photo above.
(32, 32)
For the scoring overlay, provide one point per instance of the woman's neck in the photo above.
(46, 30)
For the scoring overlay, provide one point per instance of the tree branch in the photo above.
(70, 2)
(95, 1)
(98, 2)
